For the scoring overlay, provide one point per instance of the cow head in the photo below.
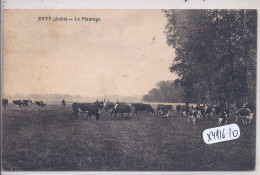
(220, 120)
(152, 111)
(251, 114)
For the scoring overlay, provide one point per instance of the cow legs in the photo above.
(209, 117)
(244, 120)
(146, 112)
(76, 114)
(249, 120)
(194, 120)
(226, 121)
(236, 119)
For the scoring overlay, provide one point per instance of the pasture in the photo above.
(50, 140)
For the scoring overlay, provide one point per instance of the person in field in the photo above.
(63, 104)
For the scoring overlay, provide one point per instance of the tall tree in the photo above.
(215, 53)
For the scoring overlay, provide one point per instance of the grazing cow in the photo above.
(63, 104)
(19, 103)
(185, 110)
(140, 107)
(165, 111)
(178, 109)
(202, 110)
(40, 104)
(208, 112)
(245, 114)
(164, 108)
(27, 103)
(109, 105)
(193, 114)
(89, 108)
(223, 116)
(122, 108)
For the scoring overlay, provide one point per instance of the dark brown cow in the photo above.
(89, 108)
(122, 108)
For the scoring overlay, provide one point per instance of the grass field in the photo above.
(50, 140)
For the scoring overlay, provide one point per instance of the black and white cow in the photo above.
(27, 103)
(185, 110)
(208, 112)
(223, 116)
(245, 114)
(164, 110)
(19, 103)
(40, 105)
(23, 103)
(193, 115)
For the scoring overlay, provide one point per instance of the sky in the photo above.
(125, 53)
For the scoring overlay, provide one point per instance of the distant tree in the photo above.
(165, 91)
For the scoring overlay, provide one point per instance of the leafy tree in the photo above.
(165, 91)
(215, 54)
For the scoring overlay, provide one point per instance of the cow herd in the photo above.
(114, 108)
(23, 103)
(190, 112)
(222, 113)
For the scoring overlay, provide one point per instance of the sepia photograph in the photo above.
(129, 90)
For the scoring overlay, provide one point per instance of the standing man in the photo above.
(187, 110)
(63, 104)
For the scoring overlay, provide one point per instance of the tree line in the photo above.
(215, 55)
(165, 91)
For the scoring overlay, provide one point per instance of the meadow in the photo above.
(51, 141)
